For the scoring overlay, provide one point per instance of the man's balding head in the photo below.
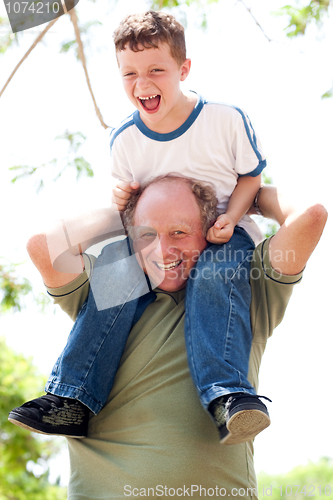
(203, 192)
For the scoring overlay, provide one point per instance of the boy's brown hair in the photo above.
(149, 29)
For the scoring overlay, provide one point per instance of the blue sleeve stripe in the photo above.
(116, 131)
(252, 139)
(256, 171)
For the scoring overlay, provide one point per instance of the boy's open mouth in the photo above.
(150, 103)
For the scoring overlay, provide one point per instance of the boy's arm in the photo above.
(299, 232)
(239, 203)
(57, 251)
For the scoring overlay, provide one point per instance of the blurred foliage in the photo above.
(267, 226)
(201, 7)
(9, 38)
(313, 480)
(23, 455)
(85, 30)
(58, 166)
(13, 287)
(300, 17)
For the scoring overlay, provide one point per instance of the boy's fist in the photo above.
(122, 193)
(222, 230)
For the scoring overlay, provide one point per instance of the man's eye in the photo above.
(179, 232)
(147, 236)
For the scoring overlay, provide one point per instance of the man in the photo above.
(153, 438)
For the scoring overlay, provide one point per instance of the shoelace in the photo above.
(45, 402)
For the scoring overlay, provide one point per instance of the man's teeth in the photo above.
(166, 267)
(146, 98)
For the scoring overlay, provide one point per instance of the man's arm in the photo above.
(299, 232)
(57, 252)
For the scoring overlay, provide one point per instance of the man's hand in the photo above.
(222, 230)
(122, 193)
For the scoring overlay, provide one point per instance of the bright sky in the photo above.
(279, 84)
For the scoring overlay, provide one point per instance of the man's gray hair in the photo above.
(204, 194)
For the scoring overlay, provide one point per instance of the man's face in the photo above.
(151, 79)
(168, 234)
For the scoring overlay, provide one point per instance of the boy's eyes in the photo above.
(156, 70)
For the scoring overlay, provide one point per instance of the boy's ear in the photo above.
(185, 69)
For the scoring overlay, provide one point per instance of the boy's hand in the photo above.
(222, 230)
(122, 193)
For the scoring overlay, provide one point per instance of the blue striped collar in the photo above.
(175, 133)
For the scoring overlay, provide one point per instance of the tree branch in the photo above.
(73, 17)
(255, 20)
(38, 39)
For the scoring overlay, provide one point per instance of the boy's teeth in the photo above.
(146, 98)
(166, 267)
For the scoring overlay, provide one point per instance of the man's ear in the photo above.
(185, 69)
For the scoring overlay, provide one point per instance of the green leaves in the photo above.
(312, 480)
(56, 167)
(182, 6)
(328, 94)
(301, 17)
(22, 452)
(85, 32)
(9, 38)
(12, 287)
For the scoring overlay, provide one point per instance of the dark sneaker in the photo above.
(239, 417)
(53, 415)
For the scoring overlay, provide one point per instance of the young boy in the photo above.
(176, 131)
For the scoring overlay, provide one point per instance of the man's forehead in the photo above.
(170, 202)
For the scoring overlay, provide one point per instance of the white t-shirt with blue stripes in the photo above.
(216, 144)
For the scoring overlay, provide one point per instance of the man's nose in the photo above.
(166, 245)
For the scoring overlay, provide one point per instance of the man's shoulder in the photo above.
(261, 267)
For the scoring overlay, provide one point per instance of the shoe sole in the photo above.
(245, 425)
(23, 424)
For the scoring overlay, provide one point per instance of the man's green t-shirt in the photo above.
(153, 438)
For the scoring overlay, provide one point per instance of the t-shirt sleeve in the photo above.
(271, 292)
(246, 146)
(120, 168)
(72, 296)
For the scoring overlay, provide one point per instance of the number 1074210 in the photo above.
(33, 7)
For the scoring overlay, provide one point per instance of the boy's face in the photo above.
(151, 79)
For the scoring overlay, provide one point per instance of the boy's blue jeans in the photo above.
(217, 325)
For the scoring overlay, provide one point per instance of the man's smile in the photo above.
(167, 267)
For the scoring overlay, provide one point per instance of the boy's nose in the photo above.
(142, 82)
